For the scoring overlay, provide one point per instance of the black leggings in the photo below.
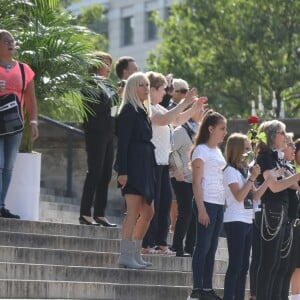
(186, 221)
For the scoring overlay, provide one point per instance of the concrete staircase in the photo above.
(55, 259)
(45, 260)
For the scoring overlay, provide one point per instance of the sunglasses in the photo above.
(182, 91)
(121, 83)
(292, 145)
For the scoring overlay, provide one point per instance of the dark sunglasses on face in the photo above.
(182, 91)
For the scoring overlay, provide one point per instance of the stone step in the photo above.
(40, 227)
(68, 213)
(58, 199)
(93, 274)
(24, 271)
(86, 258)
(88, 290)
(19, 239)
(59, 229)
(94, 259)
(32, 240)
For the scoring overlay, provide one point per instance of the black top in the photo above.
(99, 111)
(294, 205)
(135, 153)
(268, 160)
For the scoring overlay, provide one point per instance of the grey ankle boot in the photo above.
(127, 253)
(138, 257)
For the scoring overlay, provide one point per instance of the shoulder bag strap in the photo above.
(23, 79)
(188, 131)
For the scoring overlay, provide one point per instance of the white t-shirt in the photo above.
(161, 138)
(235, 210)
(212, 181)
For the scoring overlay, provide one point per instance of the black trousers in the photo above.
(270, 250)
(100, 155)
(288, 263)
(185, 224)
(255, 254)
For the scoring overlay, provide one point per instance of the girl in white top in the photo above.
(240, 193)
(207, 172)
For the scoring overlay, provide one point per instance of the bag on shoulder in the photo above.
(10, 117)
(175, 161)
(11, 121)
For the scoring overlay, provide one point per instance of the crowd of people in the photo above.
(168, 155)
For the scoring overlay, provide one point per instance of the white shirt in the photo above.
(234, 210)
(212, 181)
(161, 138)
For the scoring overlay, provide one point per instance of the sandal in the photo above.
(153, 250)
(166, 251)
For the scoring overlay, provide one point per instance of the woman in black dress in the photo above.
(135, 165)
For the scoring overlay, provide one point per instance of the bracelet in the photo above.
(33, 122)
(250, 180)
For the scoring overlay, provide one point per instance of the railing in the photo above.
(70, 134)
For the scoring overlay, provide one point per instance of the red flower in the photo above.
(253, 120)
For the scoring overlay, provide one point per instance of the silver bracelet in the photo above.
(33, 122)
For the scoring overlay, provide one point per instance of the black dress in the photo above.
(135, 153)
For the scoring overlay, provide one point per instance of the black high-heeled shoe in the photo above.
(84, 221)
(104, 223)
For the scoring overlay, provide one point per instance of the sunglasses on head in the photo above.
(182, 91)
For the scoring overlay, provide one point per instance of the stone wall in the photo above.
(53, 146)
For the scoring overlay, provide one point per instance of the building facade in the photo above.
(130, 29)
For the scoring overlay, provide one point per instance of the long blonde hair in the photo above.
(130, 92)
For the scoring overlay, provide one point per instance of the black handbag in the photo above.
(11, 120)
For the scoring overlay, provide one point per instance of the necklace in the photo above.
(7, 66)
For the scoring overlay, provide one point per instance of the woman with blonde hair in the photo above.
(162, 121)
(135, 165)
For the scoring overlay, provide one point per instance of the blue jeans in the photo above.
(239, 238)
(206, 246)
(9, 147)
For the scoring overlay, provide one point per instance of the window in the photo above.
(151, 29)
(128, 30)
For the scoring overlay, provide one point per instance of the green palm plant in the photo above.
(56, 50)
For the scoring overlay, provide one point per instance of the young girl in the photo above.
(207, 172)
(240, 192)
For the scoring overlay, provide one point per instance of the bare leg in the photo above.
(146, 214)
(295, 282)
(133, 203)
